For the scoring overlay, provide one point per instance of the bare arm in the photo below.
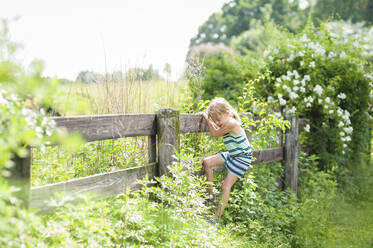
(217, 132)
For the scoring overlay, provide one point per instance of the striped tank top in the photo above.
(237, 145)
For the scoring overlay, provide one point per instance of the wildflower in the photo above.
(302, 89)
(282, 102)
(266, 52)
(278, 80)
(331, 111)
(327, 100)
(302, 63)
(341, 124)
(307, 128)
(304, 38)
(331, 55)
(342, 134)
(300, 54)
(318, 89)
(341, 96)
(270, 58)
(312, 64)
(292, 110)
(307, 78)
(343, 54)
(293, 95)
(348, 130)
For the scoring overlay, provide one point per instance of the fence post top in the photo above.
(168, 111)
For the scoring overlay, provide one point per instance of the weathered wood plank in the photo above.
(114, 126)
(100, 186)
(194, 123)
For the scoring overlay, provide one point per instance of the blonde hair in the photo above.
(220, 106)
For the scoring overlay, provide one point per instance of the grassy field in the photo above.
(119, 97)
(352, 220)
(56, 164)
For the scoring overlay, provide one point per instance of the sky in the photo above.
(105, 36)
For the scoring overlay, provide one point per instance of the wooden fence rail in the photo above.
(163, 130)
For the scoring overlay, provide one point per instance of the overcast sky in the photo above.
(75, 35)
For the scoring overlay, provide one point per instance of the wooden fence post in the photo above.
(168, 130)
(20, 177)
(152, 148)
(291, 154)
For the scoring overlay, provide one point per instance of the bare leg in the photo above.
(209, 163)
(226, 190)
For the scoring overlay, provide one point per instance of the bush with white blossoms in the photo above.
(324, 81)
(21, 126)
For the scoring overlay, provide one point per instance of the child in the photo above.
(224, 121)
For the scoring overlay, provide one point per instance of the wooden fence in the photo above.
(163, 130)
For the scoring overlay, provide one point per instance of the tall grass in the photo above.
(109, 96)
(113, 96)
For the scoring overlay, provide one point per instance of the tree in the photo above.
(237, 16)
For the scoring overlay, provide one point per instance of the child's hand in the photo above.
(204, 115)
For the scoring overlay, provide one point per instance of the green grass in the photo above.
(112, 97)
(352, 220)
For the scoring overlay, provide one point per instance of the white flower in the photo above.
(343, 54)
(266, 52)
(293, 95)
(320, 101)
(307, 78)
(348, 130)
(331, 111)
(296, 88)
(304, 38)
(296, 74)
(308, 104)
(331, 55)
(341, 96)
(348, 138)
(327, 100)
(282, 102)
(302, 89)
(291, 58)
(341, 134)
(270, 99)
(318, 89)
(292, 110)
(312, 64)
(279, 96)
(300, 54)
(278, 80)
(340, 112)
(341, 124)
(307, 128)
(302, 63)
(344, 145)
(270, 58)
(284, 77)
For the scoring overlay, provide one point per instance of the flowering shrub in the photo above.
(325, 81)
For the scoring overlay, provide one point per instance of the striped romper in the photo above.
(239, 156)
